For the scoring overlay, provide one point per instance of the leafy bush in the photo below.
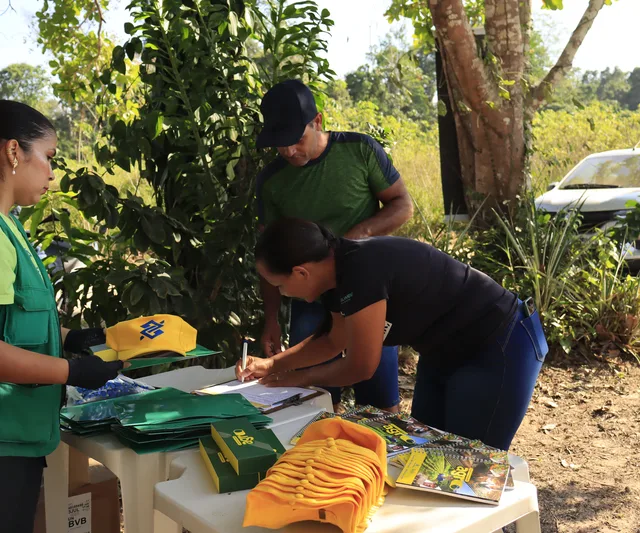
(186, 246)
(585, 296)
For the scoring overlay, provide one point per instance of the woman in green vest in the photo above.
(32, 370)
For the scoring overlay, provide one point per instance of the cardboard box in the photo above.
(90, 478)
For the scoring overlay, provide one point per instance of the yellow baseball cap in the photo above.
(150, 334)
(334, 474)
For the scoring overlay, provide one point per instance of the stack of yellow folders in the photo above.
(336, 473)
(237, 455)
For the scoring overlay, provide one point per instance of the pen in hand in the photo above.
(244, 357)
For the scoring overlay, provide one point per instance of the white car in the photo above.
(601, 185)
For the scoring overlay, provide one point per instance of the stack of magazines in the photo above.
(432, 460)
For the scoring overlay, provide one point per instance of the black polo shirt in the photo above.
(434, 302)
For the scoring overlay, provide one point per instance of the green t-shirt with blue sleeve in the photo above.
(338, 189)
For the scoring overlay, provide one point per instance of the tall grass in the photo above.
(418, 161)
(561, 139)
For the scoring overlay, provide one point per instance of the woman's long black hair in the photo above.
(291, 242)
(23, 123)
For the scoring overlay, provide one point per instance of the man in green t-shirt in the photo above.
(338, 180)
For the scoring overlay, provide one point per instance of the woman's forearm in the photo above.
(25, 367)
(309, 352)
(339, 373)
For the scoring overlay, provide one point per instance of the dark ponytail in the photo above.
(290, 242)
(23, 123)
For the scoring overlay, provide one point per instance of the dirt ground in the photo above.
(581, 438)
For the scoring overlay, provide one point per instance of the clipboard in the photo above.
(277, 399)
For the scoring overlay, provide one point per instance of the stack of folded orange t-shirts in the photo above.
(336, 473)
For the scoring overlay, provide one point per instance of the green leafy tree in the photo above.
(189, 250)
(632, 99)
(400, 81)
(490, 84)
(25, 83)
(292, 38)
(72, 31)
(613, 85)
(605, 86)
(32, 85)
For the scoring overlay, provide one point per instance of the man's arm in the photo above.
(271, 335)
(397, 208)
(270, 340)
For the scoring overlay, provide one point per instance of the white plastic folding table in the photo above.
(162, 492)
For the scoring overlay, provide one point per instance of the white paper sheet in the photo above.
(258, 394)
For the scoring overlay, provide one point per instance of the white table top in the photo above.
(190, 378)
(192, 501)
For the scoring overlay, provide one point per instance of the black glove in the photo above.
(91, 372)
(79, 340)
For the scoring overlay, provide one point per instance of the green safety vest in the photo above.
(29, 416)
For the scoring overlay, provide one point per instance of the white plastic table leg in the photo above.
(529, 523)
(56, 490)
(163, 524)
(137, 484)
(520, 470)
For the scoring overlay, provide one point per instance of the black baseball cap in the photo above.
(287, 108)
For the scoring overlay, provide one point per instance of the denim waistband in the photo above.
(520, 314)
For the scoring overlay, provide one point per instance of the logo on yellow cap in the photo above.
(151, 329)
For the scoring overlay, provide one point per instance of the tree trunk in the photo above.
(487, 92)
(487, 103)
(492, 162)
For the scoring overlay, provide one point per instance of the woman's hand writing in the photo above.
(256, 368)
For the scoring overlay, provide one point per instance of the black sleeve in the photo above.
(361, 286)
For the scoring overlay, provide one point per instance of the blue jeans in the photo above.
(485, 394)
(380, 391)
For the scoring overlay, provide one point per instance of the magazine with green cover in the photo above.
(469, 452)
(401, 432)
(362, 413)
(446, 472)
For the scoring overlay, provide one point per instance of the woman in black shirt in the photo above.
(480, 347)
